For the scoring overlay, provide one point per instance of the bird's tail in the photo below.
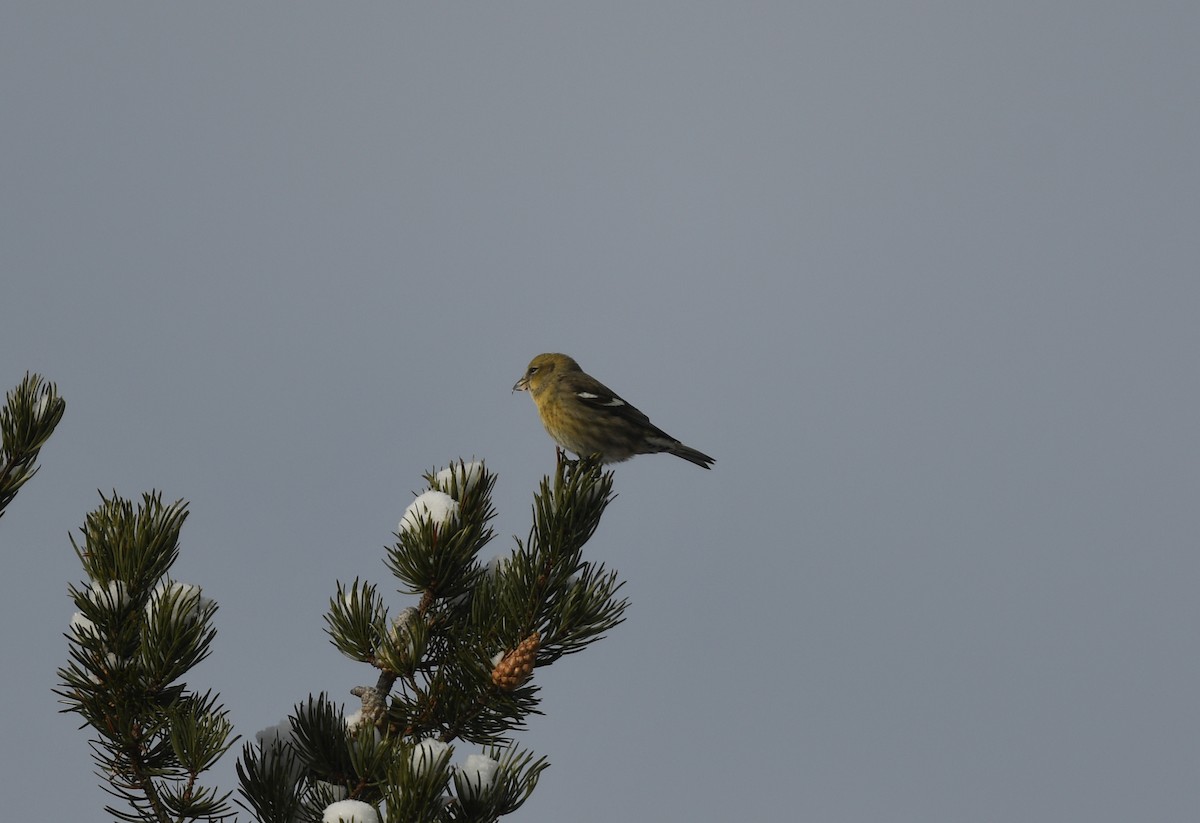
(692, 455)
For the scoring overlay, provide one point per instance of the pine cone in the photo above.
(516, 666)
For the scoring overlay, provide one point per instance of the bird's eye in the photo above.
(532, 369)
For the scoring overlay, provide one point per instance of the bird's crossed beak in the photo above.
(522, 384)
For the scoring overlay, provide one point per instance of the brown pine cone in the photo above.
(516, 666)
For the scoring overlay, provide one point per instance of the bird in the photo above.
(585, 417)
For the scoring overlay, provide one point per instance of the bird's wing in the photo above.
(600, 397)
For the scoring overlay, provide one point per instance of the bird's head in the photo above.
(541, 368)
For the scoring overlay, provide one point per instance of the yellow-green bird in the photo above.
(585, 417)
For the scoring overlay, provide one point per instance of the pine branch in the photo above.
(29, 416)
(136, 634)
(456, 667)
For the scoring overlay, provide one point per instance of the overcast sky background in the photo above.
(923, 277)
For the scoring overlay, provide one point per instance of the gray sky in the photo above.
(924, 278)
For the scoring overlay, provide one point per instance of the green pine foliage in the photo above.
(436, 660)
(29, 416)
(453, 670)
(134, 638)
